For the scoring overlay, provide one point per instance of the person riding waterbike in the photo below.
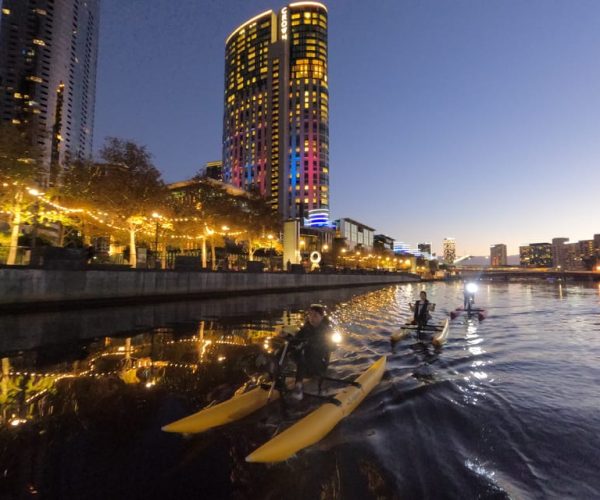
(469, 296)
(311, 348)
(421, 311)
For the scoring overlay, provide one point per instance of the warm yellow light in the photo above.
(225, 228)
(270, 236)
(302, 243)
(357, 253)
(325, 247)
(34, 192)
(315, 4)
(343, 250)
(156, 215)
(249, 21)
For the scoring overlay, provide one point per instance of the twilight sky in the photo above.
(477, 119)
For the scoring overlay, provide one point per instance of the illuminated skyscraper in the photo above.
(276, 110)
(48, 58)
(449, 249)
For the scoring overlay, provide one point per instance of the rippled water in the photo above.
(507, 408)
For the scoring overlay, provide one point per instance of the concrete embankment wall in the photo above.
(28, 288)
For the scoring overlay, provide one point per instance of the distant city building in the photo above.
(536, 255)
(449, 250)
(586, 248)
(319, 239)
(425, 249)
(558, 252)
(276, 119)
(188, 193)
(401, 247)
(597, 242)
(383, 242)
(498, 255)
(573, 260)
(355, 234)
(48, 58)
(524, 256)
(214, 170)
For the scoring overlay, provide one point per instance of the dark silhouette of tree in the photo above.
(129, 187)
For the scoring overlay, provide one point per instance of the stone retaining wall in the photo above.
(22, 288)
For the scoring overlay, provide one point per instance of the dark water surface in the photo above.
(507, 408)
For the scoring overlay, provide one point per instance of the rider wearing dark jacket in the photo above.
(311, 346)
(421, 310)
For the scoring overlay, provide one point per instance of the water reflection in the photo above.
(160, 357)
(486, 412)
(202, 361)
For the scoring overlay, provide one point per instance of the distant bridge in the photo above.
(462, 259)
(517, 272)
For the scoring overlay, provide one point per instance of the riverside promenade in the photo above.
(31, 289)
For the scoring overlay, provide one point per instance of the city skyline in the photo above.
(492, 108)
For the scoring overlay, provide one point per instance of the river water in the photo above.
(507, 408)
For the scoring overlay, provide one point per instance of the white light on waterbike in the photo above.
(336, 337)
(471, 287)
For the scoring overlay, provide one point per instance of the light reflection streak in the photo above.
(479, 470)
(475, 341)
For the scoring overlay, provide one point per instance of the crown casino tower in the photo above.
(276, 110)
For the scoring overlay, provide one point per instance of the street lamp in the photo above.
(270, 238)
(36, 207)
(156, 216)
(343, 255)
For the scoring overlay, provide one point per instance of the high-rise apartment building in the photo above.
(449, 250)
(524, 256)
(498, 255)
(276, 109)
(536, 255)
(48, 58)
(559, 252)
